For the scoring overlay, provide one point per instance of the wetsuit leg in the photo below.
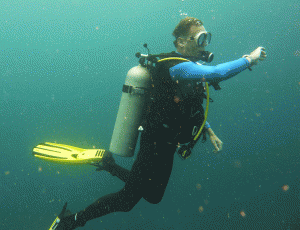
(147, 178)
(123, 174)
(158, 178)
(118, 171)
(158, 175)
(155, 161)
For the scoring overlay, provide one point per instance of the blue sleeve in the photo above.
(193, 71)
(207, 125)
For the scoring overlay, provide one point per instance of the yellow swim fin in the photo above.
(67, 154)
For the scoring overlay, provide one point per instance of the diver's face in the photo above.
(190, 45)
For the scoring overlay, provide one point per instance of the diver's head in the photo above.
(191, 37)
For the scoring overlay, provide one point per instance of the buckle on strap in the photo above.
(127, 88)
(134, 90)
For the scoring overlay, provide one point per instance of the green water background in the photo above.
(62, 67)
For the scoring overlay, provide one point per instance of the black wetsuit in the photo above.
(172, 118)
(149, 175)
(148, 178)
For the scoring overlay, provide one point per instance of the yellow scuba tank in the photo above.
(134, 96)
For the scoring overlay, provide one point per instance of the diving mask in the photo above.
(202, 38)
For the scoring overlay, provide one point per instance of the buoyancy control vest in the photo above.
(150, 96)
(182, 114)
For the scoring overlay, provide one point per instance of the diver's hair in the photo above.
(183, 27)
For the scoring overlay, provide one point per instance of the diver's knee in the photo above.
(130, 200)
(128, 208)
(152, 199)
(129, 205)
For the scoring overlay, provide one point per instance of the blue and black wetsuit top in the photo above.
(179, 91)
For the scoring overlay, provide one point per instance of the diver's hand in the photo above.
(218, 144)
(259, 54)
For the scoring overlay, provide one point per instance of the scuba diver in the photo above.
(173, 116)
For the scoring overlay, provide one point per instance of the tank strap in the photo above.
(134, 90)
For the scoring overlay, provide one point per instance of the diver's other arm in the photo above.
(210, 132)
(218, 144)
(207, 125)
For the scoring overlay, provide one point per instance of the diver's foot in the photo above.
(107, 160)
